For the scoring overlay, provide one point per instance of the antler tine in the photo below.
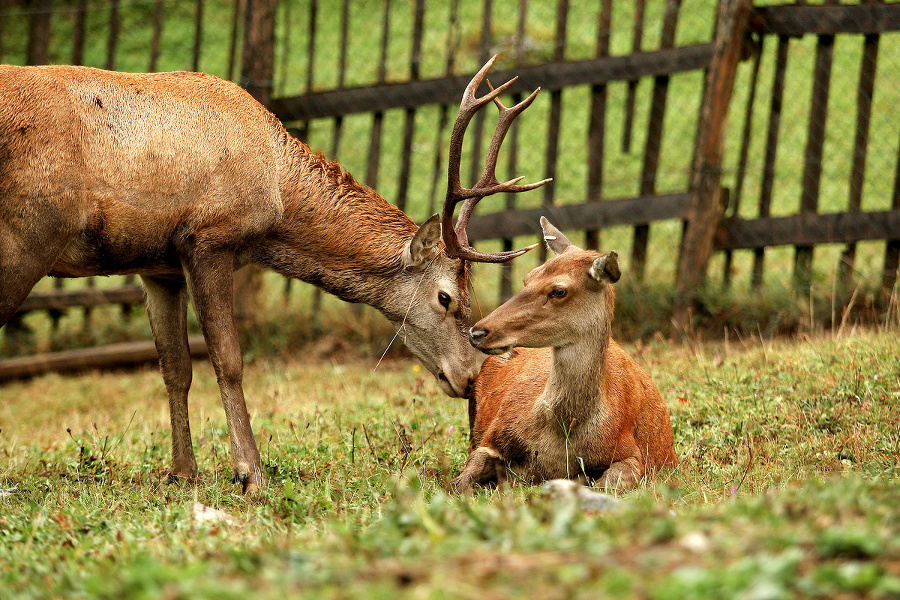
(455, 238)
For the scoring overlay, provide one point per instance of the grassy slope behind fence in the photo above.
(787, 484)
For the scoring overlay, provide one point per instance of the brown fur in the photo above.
(182, 178)
(567, 401)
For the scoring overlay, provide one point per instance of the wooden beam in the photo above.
(63, 299)
(448, 90)
(797, 19)
(808, 229)
(591, 215)
(100, 357)
(706, 209)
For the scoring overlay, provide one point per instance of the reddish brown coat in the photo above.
(563, 400)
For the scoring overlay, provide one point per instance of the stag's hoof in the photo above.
(182, 470)
(251, 481)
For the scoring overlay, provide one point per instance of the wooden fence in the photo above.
(639, 132)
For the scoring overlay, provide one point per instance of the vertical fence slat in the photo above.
(637, 36)
(113, 39)
(864, 93)
(342, 75)
(39, 32)
(815, 145)
(410, 121)
(378, 116)
(892, 251)
(553, 127)
(597, 124)
(2, 43)
(232, 48)
(746, 135)
(157, 31)
(78, 32)
(444, 113)
(484, 52)
(198, 36)
(706, 168)
(512, 150)
(773, 131)
(654, 140)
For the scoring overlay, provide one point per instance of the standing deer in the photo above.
(567, 401)
(183, 178)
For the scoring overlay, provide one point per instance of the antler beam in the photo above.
(456, 240)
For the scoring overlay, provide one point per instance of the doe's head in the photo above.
(568, 297)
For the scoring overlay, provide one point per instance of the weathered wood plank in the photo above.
(797, 20)
(448, 90)
(772, 134)
(815, 146)
(706, 210)
(864, 93)
(63, 299)
(807, 229)
(653, 143)
(597, 124)
(591, 215)
(100, 357)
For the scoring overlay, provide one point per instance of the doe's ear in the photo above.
(555, 239)
(606, 268)
(418, 251)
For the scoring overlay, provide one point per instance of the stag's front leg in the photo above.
(210, 277)
(167, 310)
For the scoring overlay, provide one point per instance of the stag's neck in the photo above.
(573, 393)
(335, 233)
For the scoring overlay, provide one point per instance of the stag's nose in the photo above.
(476, 336)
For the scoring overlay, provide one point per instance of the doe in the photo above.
(560, 398)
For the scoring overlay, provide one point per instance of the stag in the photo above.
(182, 178)
(559, 398)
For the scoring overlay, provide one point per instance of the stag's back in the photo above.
(165, 139)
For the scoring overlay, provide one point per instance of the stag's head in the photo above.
(567, 298)
(438, 256)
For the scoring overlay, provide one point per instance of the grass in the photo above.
(787, 483)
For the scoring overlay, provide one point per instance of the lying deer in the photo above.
(183, 178)
(560, 398)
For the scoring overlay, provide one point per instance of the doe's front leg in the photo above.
(483, 464)
(211, 279)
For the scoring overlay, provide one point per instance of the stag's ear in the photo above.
(606, 268)
(418, 252)
(555, 239)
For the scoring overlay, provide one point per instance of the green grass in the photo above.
(787, 484)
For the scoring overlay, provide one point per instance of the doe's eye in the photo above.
(558, 292)
(444, 299)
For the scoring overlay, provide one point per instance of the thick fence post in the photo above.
(257, 71)
(706, 210)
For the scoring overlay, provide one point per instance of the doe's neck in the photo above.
(574, 388)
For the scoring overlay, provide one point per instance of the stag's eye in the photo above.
(558, 292)
(444, 299)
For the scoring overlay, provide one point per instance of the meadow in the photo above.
(787, 484)
(789, 447)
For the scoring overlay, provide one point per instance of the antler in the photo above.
(456, 241)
